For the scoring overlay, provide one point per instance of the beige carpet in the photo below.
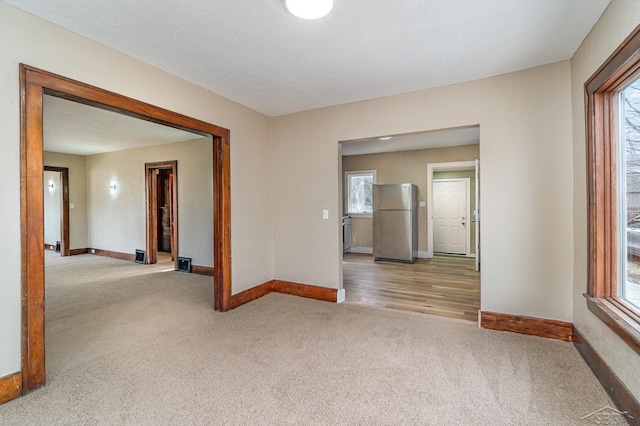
(130, 344)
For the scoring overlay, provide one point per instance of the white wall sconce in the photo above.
(51, 186)
(309, 9)
(113, 186)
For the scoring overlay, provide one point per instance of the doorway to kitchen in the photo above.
(441, 284)
(162, 212)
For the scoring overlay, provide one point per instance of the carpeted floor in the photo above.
(131, 344)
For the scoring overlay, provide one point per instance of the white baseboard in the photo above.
(341, 296)
(471, 256)
(363, 250)
(369, 250)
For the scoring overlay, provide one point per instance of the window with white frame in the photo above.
(359, 191)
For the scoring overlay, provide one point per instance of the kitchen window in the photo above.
(359, 192)
(613, 179)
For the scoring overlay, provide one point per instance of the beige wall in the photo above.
(77, 195)
(404, 167)
(617, 22)
(525, 182)
(117, 221)
(532, 178)
(47, 46)
(52, 207)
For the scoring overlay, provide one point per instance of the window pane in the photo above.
(629, 287)
(360, 194)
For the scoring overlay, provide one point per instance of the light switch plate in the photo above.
(423, 204)
(325, 214)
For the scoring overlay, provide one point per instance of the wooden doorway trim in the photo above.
(152, 212)
(34, 83)
(64, 219)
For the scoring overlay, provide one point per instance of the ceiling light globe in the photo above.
(309, 9)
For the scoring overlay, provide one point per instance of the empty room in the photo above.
(241, 273)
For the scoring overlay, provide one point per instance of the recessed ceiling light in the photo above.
(309, 9)
(386, 138)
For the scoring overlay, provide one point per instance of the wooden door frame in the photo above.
(152, 212)
(34, 84)
(64, 219)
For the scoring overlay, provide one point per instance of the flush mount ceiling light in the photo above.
(309, 9)
(385, 138)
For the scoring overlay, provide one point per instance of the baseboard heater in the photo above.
(184, 264)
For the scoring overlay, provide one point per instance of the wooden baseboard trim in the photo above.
(202, 270)
(250, 295)
(50, 247)
(618, 392)
(75, 252)
(285, 287)
(10, 387)
(551, 329)
(305, 290)
(114, 254)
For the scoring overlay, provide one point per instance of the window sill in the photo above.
(358, 215)
(624, 322)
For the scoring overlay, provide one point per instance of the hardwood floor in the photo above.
(445, 285)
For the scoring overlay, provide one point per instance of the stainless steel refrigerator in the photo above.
(395, 222)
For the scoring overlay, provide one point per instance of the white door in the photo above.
(450, 221)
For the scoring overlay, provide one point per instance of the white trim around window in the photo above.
(362, 205)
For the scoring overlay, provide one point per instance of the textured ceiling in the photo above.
(256, 53)
(73, 128)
